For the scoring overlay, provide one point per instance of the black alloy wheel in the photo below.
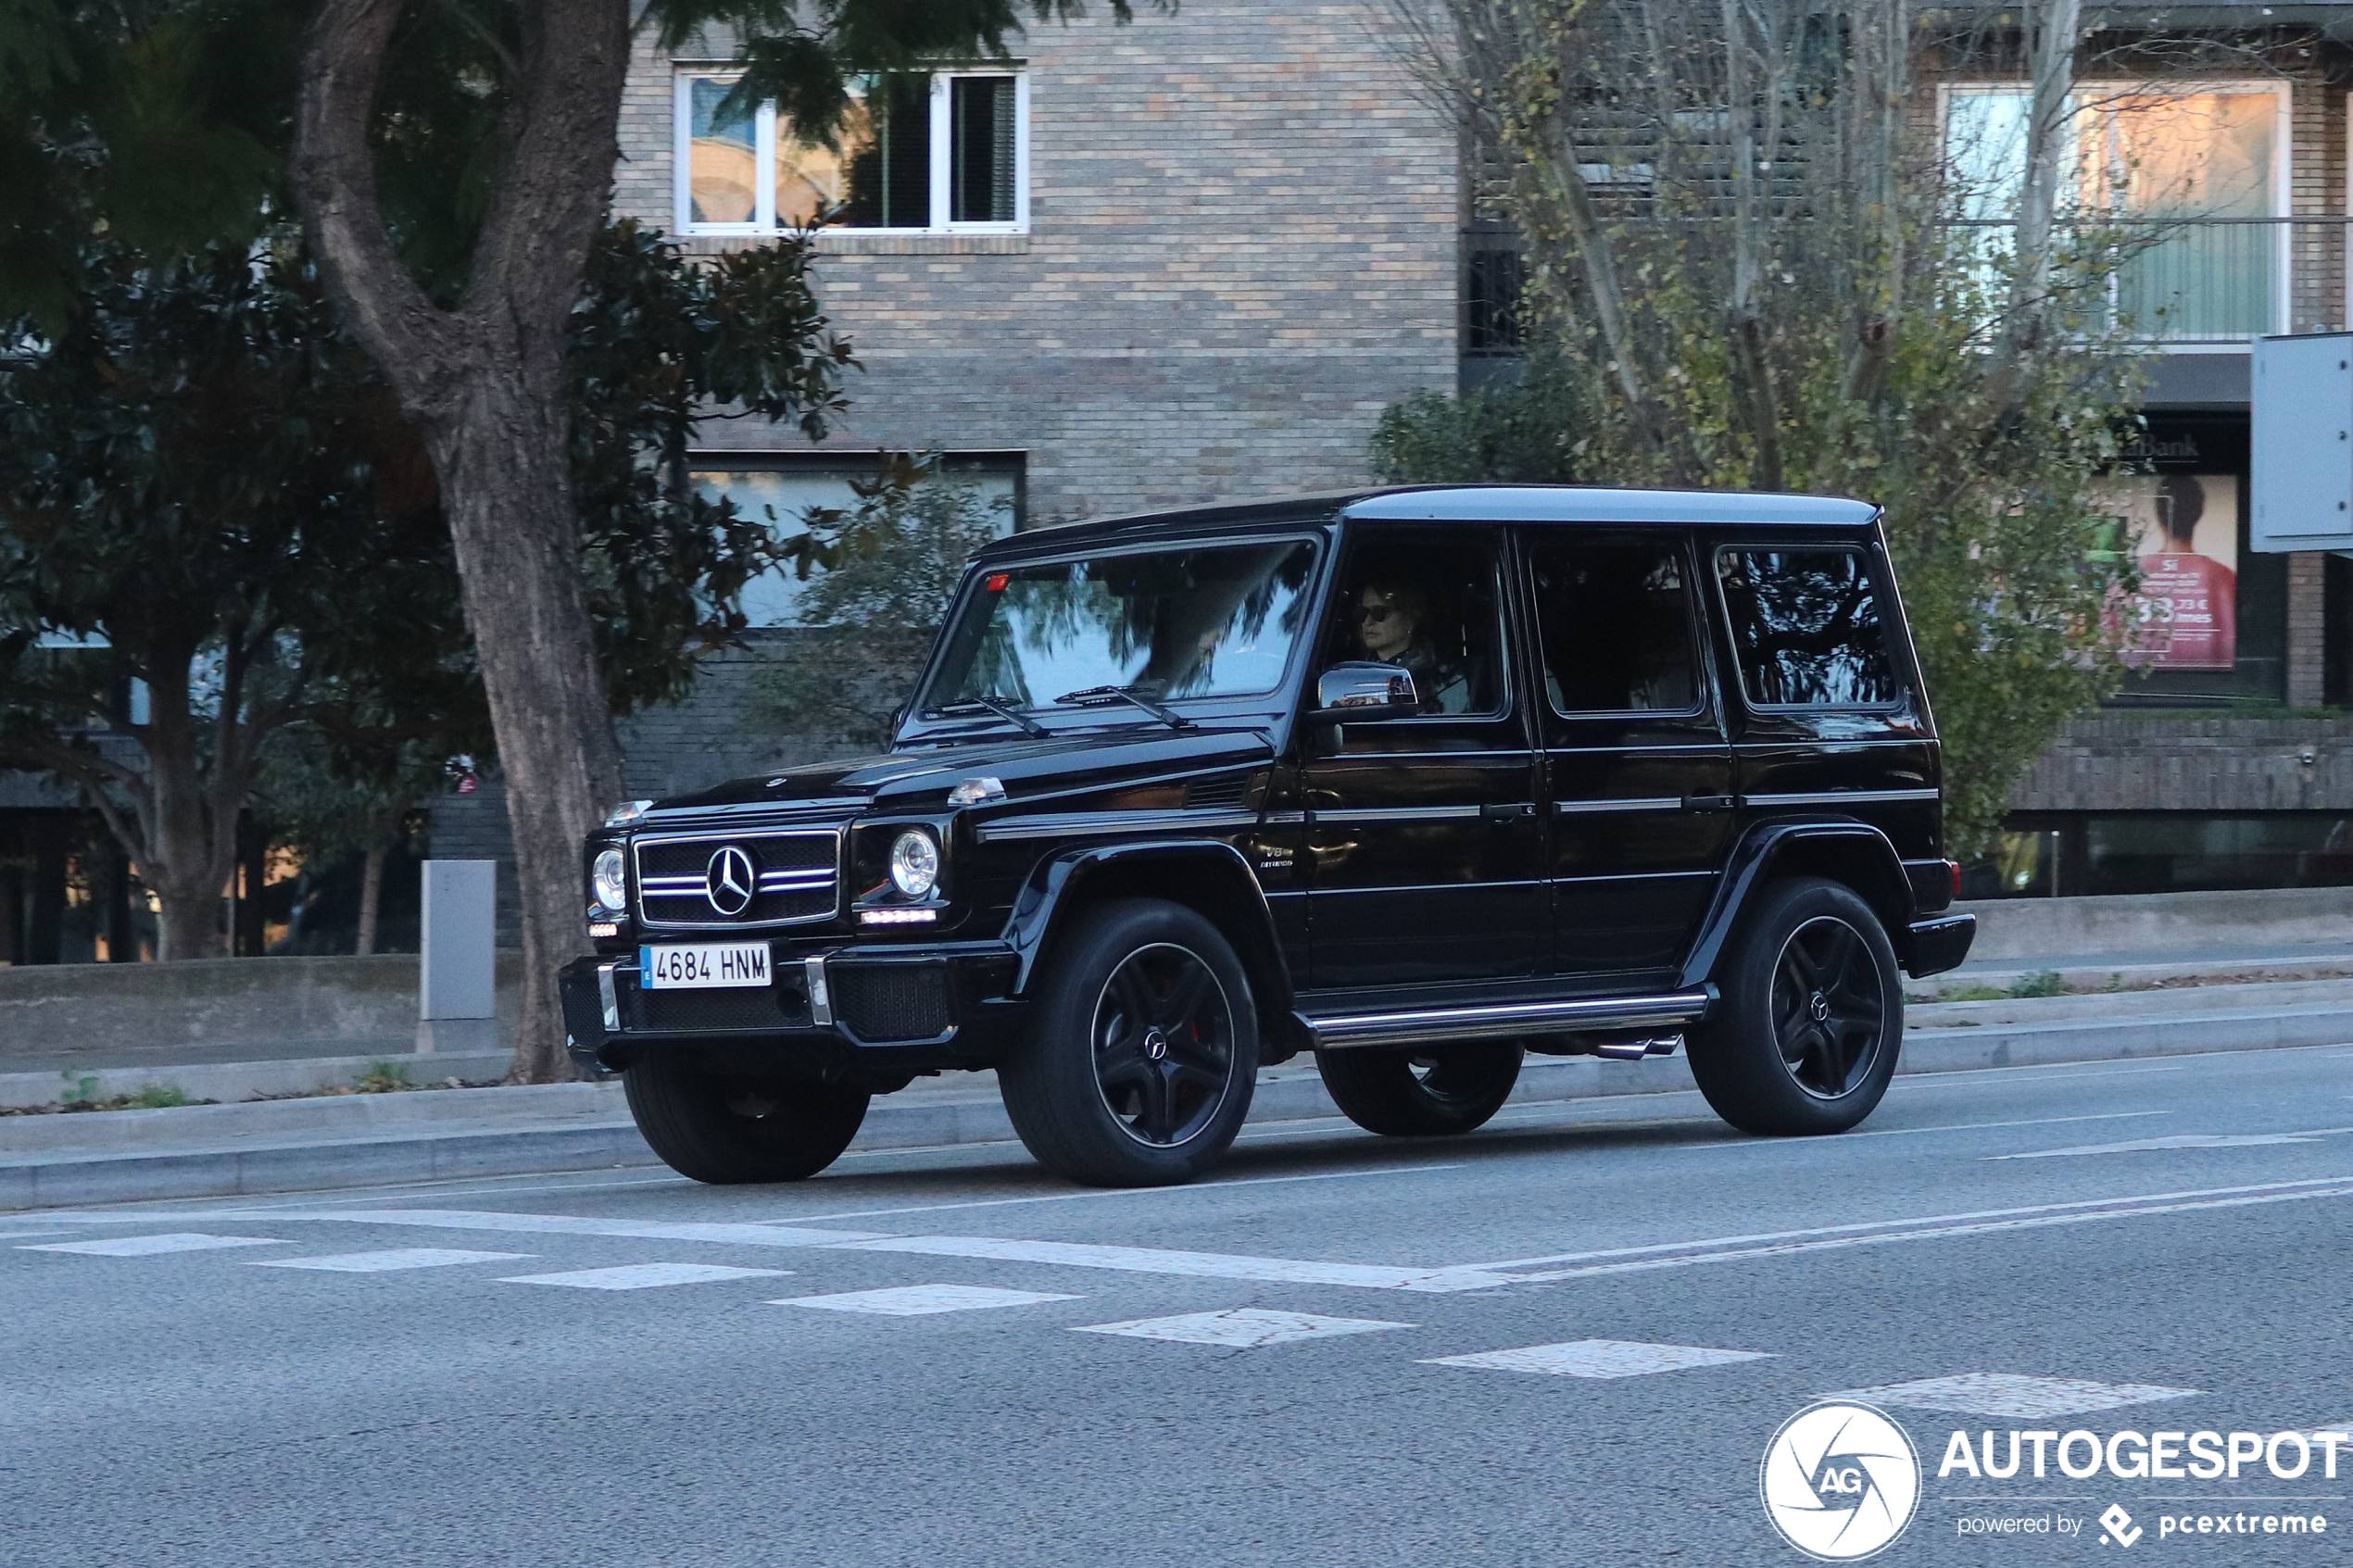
(1142, 1049)
(1164, 1039)
(1804, 1037)
(1828, 1011)
(1428, 1092)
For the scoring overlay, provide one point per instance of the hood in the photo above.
(915, 781)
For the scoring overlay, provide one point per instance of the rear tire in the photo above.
(1806, 1037)
(1432, 1093)
(731, 1128)
(1141, 1050)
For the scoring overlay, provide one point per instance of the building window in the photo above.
(946, 153)
(2196, 184)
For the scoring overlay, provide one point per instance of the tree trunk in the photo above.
(371, 894)
(508, 493)
(486, 381)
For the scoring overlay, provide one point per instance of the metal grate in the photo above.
(796, 870)
(890, 1001)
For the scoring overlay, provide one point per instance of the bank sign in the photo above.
(1842, 1481)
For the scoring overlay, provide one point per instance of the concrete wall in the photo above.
(1242, 247)
(60, 1016)
(2162, 922)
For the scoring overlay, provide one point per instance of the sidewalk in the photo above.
(361, 1140)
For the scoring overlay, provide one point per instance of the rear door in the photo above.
(1425, 839)
(1833, 722)
(1638, 767)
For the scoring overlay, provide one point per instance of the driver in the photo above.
(1393, 622)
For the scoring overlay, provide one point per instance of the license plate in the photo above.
(696, 966)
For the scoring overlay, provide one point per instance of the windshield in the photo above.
(1218, 621)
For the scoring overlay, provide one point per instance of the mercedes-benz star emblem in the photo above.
(730, 882)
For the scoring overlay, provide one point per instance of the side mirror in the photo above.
(1360, 690)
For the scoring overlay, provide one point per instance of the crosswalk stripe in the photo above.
(2003, 1393)
(1243, 1327)
(147, 1246)
(1599, 1358)
(1202, 1265)
(642, 1276)
(390, 1261)
(921, 1300)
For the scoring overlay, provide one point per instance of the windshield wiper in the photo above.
(1090, 696)
(997, 705)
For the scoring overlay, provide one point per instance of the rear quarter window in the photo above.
(1806, 628)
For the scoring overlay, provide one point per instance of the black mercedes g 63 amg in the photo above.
(1418, 780)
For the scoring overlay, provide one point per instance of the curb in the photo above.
(228, 1081)
(579, 1133)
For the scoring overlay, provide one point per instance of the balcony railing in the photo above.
(2217, 281)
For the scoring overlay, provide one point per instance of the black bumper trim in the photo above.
(1931, 947)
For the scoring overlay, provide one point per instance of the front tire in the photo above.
(1812, 1017)
(1141, 1050)
(1431, 1093)
(732, 1128)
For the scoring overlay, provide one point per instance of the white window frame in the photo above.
(2283, 201)
(942, 131)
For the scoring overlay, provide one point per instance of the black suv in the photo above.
(1419, 779)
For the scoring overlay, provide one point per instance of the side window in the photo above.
(1426, 599)
(1615, 626)
(1805, 627)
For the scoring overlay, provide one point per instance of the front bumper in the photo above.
(829, 1013)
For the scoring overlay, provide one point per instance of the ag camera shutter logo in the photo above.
(1840, 1481)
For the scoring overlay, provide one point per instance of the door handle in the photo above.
(1711, 802)
(1516, 811)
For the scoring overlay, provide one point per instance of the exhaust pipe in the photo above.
(1635, 1050)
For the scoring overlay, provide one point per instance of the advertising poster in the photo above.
(2186, 526)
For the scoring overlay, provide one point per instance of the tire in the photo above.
(1442, 1090)
(1806, 1037)
(1141, 1050)
(729, 1128)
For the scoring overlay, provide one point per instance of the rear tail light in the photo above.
(1954, 866)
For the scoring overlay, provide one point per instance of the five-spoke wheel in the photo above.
(1142, 1049)
(1805, 1036)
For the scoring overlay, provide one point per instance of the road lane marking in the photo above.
(148, 1245)
(1913, 1221)
(2003, 1393)
(643, 1276)
(921, 1300)
(1988, 1126)
(1599, 1358)
(1121, 1192)
(2180, 1140)
(1242, 1328)
(1201, 1265)
(573, 1224)
(390, 1261)
(1938, 1234)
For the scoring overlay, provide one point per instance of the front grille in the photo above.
(890, 1001)
(795, 870)
(687, 1011)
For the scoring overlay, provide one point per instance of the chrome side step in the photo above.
(1503, 1019)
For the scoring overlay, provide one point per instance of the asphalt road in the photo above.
(2134, 1245)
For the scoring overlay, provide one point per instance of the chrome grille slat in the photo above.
(798, 882)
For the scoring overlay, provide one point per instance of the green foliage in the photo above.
(2043, 983)
(1519, 430)
(880, 575)
(382, 1078)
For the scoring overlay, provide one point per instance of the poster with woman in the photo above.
(2187, 529)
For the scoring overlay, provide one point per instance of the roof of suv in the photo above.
(1471, 503)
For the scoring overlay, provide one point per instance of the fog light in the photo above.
(914, 863)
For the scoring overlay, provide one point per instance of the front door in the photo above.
(1638, 766)
(1425, 840)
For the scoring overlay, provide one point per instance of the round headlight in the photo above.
(914, 863)
(609, 882)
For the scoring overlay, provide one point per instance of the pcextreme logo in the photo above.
(1840, 1481)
